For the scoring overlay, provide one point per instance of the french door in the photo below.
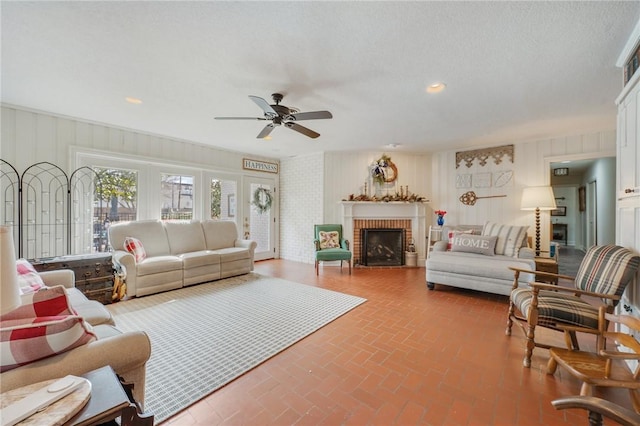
(259, 222)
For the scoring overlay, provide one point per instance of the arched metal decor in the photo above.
(44, 208)
(51, 214)
(9, 194)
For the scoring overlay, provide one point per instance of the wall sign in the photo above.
(260, 166)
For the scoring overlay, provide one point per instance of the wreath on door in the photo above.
(262, 200)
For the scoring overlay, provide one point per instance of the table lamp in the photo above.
(538, 198)
(9, 293)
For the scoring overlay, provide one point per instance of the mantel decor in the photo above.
(403, 196)
(483, 155)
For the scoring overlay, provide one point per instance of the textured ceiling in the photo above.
(514, 70)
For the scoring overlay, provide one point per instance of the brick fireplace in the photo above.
(360, 224)
(408, 216)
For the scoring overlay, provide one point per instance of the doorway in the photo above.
(259, 215)
(591, 218)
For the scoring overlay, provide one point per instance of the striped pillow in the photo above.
(510, 238)
(607, 269)
(41, 328)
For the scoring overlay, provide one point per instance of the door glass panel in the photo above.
(260, 220)
(223, 199)
(176, 195)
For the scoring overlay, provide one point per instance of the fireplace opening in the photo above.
(382, 247)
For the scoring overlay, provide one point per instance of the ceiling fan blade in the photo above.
(313, 115)
(264, 105)
(266, 131)
(239, 118)
(303, 130)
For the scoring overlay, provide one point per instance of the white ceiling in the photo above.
(514, 70)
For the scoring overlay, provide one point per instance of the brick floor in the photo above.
(408, 356)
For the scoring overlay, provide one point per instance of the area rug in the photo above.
(204, 336)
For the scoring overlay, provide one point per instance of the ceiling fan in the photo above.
(280, 114)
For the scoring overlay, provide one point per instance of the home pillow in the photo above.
(329, 239)
(29, 280)
(135, 247)
(510, 238)
(468, 243)
(452, 232)
(45, 325)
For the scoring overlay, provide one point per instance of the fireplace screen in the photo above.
(382, 247)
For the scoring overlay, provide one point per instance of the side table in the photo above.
(547, 264)
(108, 401)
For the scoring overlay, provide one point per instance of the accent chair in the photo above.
(604, 273)
(330, 245)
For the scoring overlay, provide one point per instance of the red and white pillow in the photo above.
(29, 281)
(43, 326)
(135, 247)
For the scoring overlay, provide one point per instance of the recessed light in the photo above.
(436, 87)
(565, 162)
(267, 138)
(392, 145)
(133, 100)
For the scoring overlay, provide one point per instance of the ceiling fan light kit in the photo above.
(282, 115)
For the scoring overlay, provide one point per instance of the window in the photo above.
(116, 200)
(176, 194)
(223, 199)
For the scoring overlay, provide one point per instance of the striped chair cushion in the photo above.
(557, 308)
(607, 269)
(510, 238)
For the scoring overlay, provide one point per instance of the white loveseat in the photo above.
(179, 254)
(475, 271)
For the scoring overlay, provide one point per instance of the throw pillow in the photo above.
(49, 301)
(44, 325)
(26, 340)
(468, 243)
(29, 280)
(510, 238)
(329, 239)
(451, 233)
(135, 247)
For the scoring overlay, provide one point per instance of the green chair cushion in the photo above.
(333, 254)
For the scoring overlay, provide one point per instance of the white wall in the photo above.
(531, 168)
(311, 186)
(603, 172)
(301, 205)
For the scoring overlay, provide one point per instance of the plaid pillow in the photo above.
(29, 280)
(50, 301)
(42, 327)
(135, 247)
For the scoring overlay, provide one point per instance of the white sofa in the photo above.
(179, 254)
(127, 353)
(474, 271)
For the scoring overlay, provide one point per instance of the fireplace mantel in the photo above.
(387, 210)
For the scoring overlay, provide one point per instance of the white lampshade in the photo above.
(538, 197)
(9, 292)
